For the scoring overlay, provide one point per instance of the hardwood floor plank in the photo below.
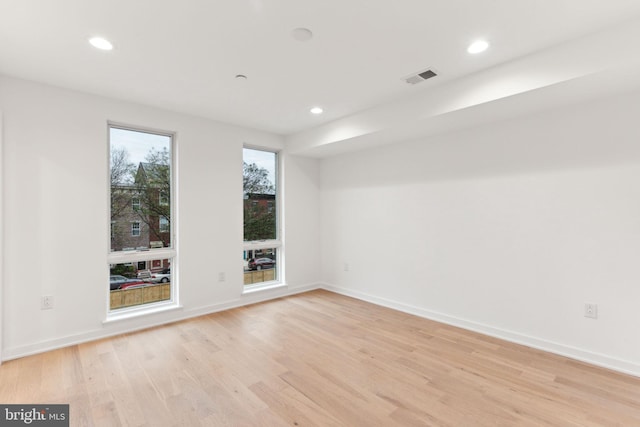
(318, 359)
(293, 407)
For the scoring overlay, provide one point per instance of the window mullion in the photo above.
(134, 256)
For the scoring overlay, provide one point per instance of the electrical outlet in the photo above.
(591, 310)
(47, 302)
(222, 277)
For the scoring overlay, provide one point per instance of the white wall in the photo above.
(507, 229)
(1, 235)
(302, 219)
(56, 214)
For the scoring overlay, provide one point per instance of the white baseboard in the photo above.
(152, 320)
(256, 297)
(582, 355)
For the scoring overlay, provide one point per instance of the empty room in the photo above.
(320, 213)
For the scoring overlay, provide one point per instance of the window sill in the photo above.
(251, 289)
(133, 312)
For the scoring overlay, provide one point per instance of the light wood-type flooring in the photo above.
(318, 359)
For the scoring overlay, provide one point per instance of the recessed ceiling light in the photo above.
(302, 34)
(316, 110)
(100, 43)
(478, 46)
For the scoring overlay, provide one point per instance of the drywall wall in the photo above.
(508, 228)
(56, 216)
(302, 219)
(1, 234)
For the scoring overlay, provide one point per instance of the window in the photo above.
(142, 249)
(135, 229)
(262, 245)
(130, 288)
(164, 225)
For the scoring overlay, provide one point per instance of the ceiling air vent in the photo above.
(420, 77)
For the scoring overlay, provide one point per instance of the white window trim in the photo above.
(139, 228)
(275, 243)
(124, 257)
(132, 256)
(141, 310)
(262, 244)
(264, 286)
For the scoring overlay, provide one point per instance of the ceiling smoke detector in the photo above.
(420, 77)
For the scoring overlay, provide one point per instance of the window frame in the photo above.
(277, 243)
(134, 228)
(162, 229)
(145, 254)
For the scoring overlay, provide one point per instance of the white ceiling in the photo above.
(184, 56)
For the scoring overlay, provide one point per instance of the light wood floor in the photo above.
(318, 359)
